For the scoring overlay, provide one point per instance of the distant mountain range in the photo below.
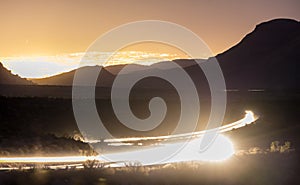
(266, 58)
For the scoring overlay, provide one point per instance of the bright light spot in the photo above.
(221, 149)
(249, 117)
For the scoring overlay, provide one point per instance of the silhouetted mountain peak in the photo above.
(66, 79)
(6, 77)
(268, 57)
(279, 24)
(274, 33)
(266, 37)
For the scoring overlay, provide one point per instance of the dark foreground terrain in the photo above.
(43, 125)
(48, 123)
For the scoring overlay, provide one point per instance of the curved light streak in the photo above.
(248, 119)
(220, 150)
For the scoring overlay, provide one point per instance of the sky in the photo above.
(34, 28)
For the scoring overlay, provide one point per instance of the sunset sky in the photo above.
(56, 27)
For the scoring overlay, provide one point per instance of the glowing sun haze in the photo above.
(44, 66)
(58, 27)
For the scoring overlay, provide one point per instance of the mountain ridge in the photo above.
(7, 78)
(270, 52)
(265, 58)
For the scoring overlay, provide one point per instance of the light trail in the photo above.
(70, 159)
(222, 145)
(248, 119)
(220, 150)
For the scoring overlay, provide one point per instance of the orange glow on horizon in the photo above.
(46, 66)
(55, 27)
